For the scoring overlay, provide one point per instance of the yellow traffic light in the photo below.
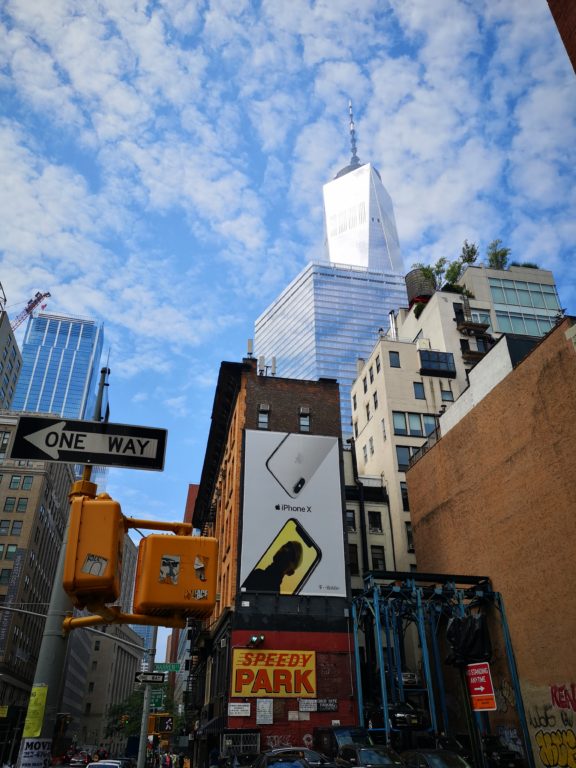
(93, 566)
(176, 574)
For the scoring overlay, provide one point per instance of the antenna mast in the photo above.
(354, 161)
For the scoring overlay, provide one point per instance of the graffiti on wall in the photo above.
(505, 698)
(553, 727)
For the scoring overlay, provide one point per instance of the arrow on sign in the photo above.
(149, 677)
(478, 688)
(55, 438)
(88, 442)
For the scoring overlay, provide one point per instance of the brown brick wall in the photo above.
(497, 497)
(564, 13)
(285, 396)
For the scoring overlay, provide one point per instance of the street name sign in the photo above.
(165, 666)
(149, 677)
(480, 688)
(88, 442)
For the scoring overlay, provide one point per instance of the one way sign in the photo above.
(88, 442)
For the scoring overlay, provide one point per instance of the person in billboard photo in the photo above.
(286, 560)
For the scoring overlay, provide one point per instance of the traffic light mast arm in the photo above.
(180, 529)
(113, 615)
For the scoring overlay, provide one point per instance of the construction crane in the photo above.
(29, 308)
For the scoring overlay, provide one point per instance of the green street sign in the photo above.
(167, 667)
(156, 700)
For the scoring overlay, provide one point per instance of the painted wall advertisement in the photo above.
(292, 540)
(273, 674)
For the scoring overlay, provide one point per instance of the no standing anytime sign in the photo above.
(480, 686)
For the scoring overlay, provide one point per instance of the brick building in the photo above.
(276, 658)
(496, 495)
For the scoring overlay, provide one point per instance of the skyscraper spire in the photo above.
(354, 161)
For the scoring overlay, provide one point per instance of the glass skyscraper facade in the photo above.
(328, 317)
(60, 366)
(331, 313)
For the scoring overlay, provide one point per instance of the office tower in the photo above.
(331, 313)
(10, 357)
(33, 511)
(60, 365)
(359, 217)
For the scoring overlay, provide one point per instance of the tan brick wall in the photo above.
(497, 497)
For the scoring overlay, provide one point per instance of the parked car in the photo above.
(402, 714)
(499, 756)
(360, 755)
(433, 758)
(314, 758)
(280, 758)
(329, 739)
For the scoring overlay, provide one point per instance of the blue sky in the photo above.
(163, 162)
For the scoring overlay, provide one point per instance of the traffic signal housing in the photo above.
(93, 566)
(176, 575)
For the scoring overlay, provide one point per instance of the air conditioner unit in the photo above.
(423, 344)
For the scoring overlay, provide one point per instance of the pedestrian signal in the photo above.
(93, 566)
(176, 575)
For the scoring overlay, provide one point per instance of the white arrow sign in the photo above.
(56, 438)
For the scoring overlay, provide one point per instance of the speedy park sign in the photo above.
(281, 674)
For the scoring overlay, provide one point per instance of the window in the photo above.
(437, 363)
(22, 504)
(27, 482)
(371, 374)
(9, 503)
(5, 575)
(1, 551)
(365, 384)
(353, 559)
(16, 528)
(404, 493)
(304, 419)
(11, 551)
(447, 395)
(350, 520)
(377, 363)
(394, 359)
(409, 537)
(413, 424)
(263, 415)
(87, 708)
(375, 399)
(374, 522)
(378, 559)
(419, 390)
(354, 402)
(4, 527)
(15, 481)
(371, 445)
(403, 454)
(355, 429)
(383, 425)
(96, 645)
(90, 687)
(365, 452)
(94, 666)
(368, 414)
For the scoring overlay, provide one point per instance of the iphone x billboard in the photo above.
(292, 534)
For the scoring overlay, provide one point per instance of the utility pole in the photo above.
(142, 746)
(41, 716)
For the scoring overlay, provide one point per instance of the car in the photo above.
(106, 763)
(280, 757)
(433, 758)
(312, 756)
(360, 755)
(499, 756)
(327, 740)
(402, 714)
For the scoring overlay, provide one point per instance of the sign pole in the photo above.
(48, 679)
(146, 705)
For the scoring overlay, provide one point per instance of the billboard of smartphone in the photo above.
(292, 529)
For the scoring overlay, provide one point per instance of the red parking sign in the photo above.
(480, 686)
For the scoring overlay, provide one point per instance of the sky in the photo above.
(162, 167)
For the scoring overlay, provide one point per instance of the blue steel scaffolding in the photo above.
(390, 602)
